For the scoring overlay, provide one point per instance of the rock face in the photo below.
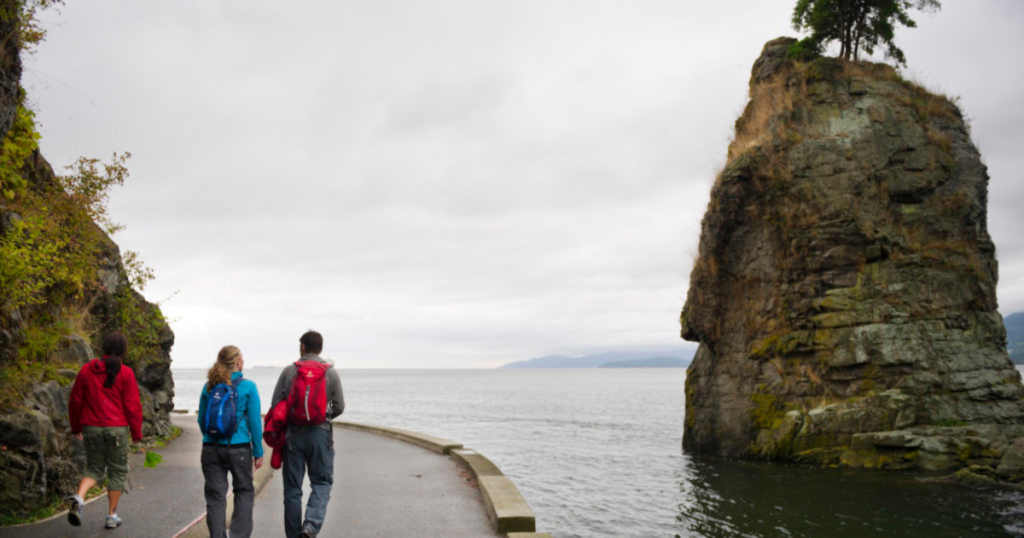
(844, 295)
(10, 65)
(39, 459)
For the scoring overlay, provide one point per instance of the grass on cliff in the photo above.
(768, 116)
(40, 358)
(770, 127)
(38, 361)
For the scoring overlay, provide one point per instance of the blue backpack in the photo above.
(221, 419)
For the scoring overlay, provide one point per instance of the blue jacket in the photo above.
(250, 425)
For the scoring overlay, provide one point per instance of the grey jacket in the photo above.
(335, 398)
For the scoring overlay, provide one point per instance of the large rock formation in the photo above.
(39, 459)
(844, 296)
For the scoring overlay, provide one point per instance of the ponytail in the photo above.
(115, 347)
(221, 370)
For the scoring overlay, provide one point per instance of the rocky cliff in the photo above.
(10, 66)
(844, 294)
(63, 286)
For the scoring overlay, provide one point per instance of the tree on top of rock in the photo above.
(856, 24)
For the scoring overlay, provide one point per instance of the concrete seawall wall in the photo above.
(506, 507)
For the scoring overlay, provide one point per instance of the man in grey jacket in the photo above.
(310, 448)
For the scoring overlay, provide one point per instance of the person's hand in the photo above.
(78, 436)
(257, 463)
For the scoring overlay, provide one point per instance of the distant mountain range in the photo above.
(654, 362)
(1015, 336)
(679, 358)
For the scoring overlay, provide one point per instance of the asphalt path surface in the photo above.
(382, 488)
(161, 502)
(386, 488)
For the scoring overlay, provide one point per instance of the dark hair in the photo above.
(313, 341)
(115, 346)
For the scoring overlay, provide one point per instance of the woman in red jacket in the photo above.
(105, 412)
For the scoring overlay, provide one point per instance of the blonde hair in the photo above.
(221, 370)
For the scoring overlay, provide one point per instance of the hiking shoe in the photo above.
(113, 522)
(307, 531)
(75, 510)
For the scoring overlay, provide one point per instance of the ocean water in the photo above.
(597, 453)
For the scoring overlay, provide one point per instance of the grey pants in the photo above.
(310, 451)
(217, 462)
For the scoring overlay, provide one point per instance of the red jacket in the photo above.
(92, 404)
(275, 432)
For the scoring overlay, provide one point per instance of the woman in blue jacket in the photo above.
(239, 455)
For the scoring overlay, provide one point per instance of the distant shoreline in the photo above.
(679, 358)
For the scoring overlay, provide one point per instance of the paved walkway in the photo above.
(161, 502)
(383, 487)
(386, 488)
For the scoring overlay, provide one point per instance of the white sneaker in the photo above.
(113, 522)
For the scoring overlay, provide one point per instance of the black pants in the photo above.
(217, 462)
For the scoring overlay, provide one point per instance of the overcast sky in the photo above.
(449, 183)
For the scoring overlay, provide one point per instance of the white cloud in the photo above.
(452, 183)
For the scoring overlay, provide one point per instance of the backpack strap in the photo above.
(234, 384)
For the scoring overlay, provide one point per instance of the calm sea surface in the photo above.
(597, 453)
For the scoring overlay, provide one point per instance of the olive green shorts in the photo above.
(106, 453)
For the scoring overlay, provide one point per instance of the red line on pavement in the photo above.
(190, 525)
(197, 520)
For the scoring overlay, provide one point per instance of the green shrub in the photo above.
(52, 251)
(28, 259)
(142, 324)
(41, 339)
(28, 31)
(21, 140)
(804, 50)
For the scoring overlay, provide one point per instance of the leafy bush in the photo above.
(50, 253)
(90, 188)
(41, 339)
(805, 49)
(52, 250)
(27, 28)
(29, 261)
(18, 144)
(142, 324)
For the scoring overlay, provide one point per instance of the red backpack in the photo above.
(307, 402)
